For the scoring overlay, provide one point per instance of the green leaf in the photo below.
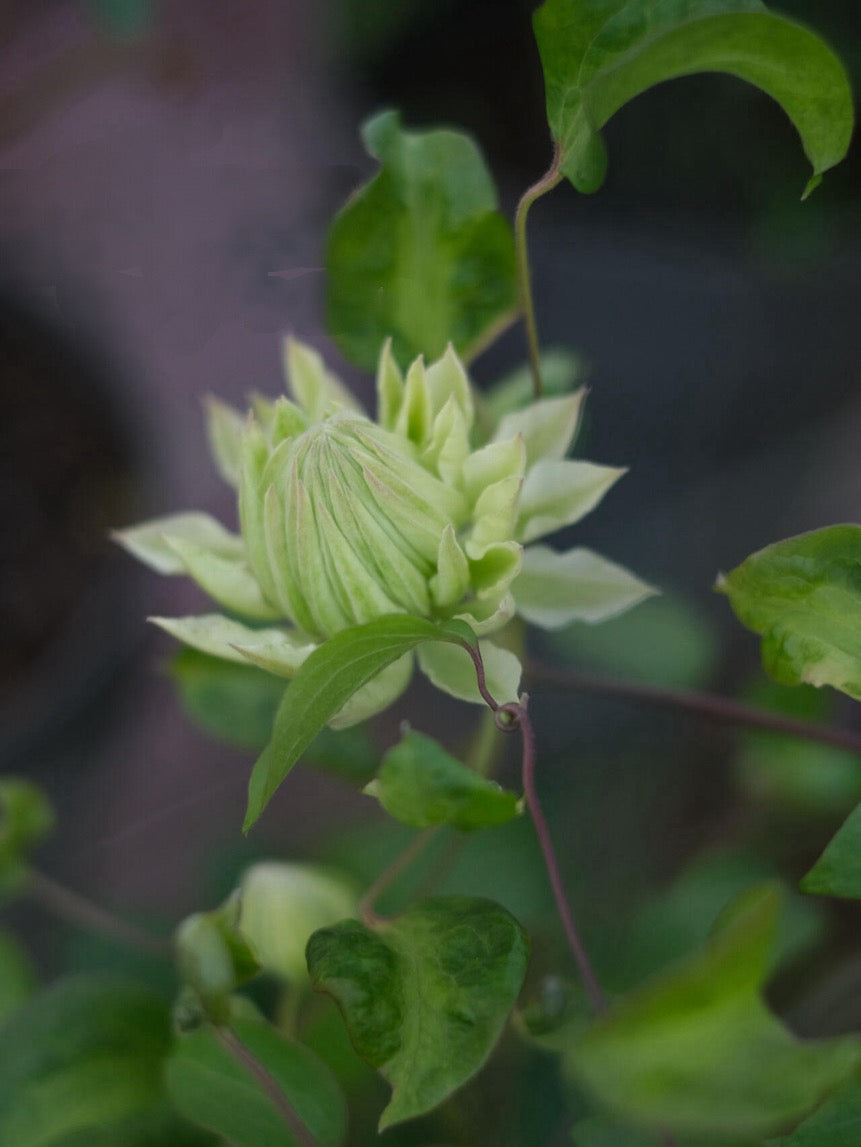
(234, 703)
(212, 1088)
(836, 1124)
(420, 254)
(17, 975)
(803, 596)
(83, 1055)
(324, 684)
(424, 997)
(597, 56)
(420, 784)
(838, 870)
(696, 1050)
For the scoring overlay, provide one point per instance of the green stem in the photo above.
(546, 183)
(83, 913)
(390, 875)
(269, 1085)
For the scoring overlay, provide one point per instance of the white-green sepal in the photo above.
(224, 429)
(280, 905)
(223, 637)
(227, 580)
(314, 388)
(547, 426)
(152, 542)
(559, 493)
(553, 589)
(450, 668)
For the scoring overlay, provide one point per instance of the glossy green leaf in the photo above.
(837, 1123)
(420, 254)
(234, 703)
(324, 684)
(420, 784)
(81, 1056)
(838, 870)
(600, 1132)
(803, 596)
(212, 1088)
(598, 55)
(424, 997)
(695, 1049)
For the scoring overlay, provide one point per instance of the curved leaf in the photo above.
(424, 997)
(599, 54)
(325, 683)
(803, 596)
(420, 253)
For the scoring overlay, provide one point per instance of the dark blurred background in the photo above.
(167, 173)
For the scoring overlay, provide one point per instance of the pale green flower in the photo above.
(344, 519)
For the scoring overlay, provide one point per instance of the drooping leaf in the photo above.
(213, 1089)
(425, 996)
(597, 56)
(234, 703)
(326, 681)
(420, 254)
(838, 870)
(87, 1055)
(695, 1049)
(803, 596)
(420, 784)
(837, 1123)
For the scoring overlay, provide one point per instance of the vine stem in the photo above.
(77, 909)
(401, 862)
(519, 719)
(269, 1085)
(709, 705)
(547, 182)
(510, 718)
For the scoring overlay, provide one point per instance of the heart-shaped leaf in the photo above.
(803, 596)
(424, 997)
(420, 254)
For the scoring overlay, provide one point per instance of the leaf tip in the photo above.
(812, 183)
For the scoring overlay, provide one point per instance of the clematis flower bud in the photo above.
(344, 519)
